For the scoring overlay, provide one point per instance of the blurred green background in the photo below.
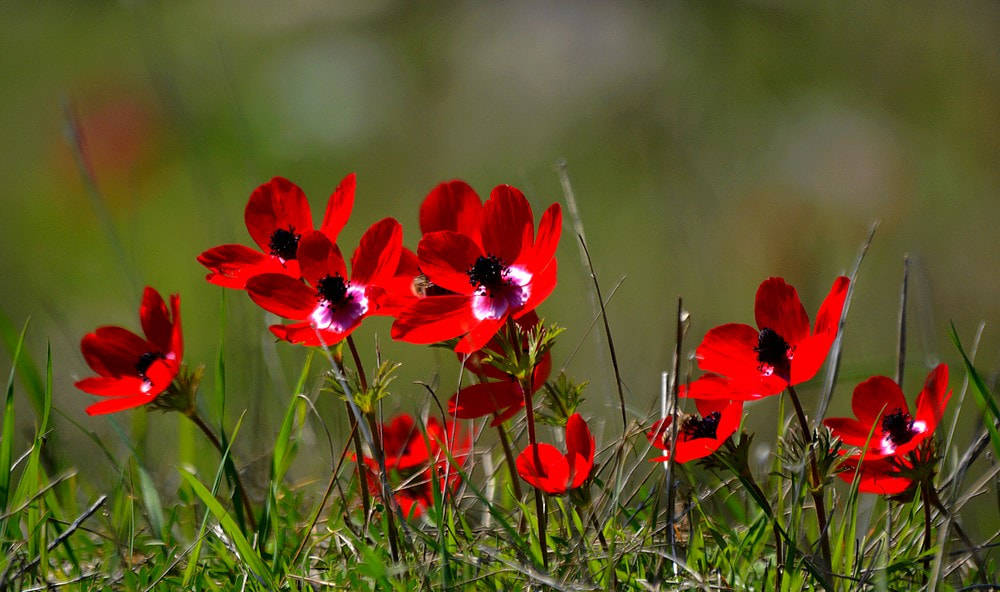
(711, 145)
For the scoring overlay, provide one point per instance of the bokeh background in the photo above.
(710, 145)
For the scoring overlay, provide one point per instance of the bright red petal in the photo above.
(120, 404)
(852, 432)
(828, 317)
(579, 450)
(106, 386)
(544, 467)
(876, 476)
(378, 253)
(778, 308)
(282, 295)
(549, 231)
(933, 398)
(809, 355)
(487, 398)
(445, 258)
(876, 397)
(729, 350)
(542, 285)
(113, 351)
(233, 265)
(508, 224)
(434, 319)
(479, 335)
(155, 320)
(452, 206)
(338, 208)
(278, 204)
(305, 334)
(318, 258)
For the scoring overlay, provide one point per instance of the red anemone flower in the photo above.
(505, 276)
(884, 425)
(131, 370)
(698, 435)
(333, 306)
(501, 396)
(414, 457)
(881, 476)
(544, 467)
(277, 216)
(781, 351)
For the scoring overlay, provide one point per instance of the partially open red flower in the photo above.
(698, 435)
(133, 370)
(884, 424)
(413, 457)
(507, 274)
(501, 396)
(277, 216)
(331, 305)
(544, 467)
(881, 476)
(781, 351)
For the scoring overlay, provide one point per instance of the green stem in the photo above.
(815, 480)
(192, 414)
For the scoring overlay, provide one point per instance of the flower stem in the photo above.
(391, 523)
(192, 414)
(925, 493)
(815, 480)
(357, 363)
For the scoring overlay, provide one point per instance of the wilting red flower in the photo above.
(131, 370)
(333, 306)
(782, 351)
(698, 435)
(507, 273)
(544, 467)
(414, 458)
(503, 395)
(277, 216)
(881, 476)
(884, 425)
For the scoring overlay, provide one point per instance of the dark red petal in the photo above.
(282, 295)
(113, 351)
(378, 253)
(487, 398)
(318, 258)
(479, 335)
(876, 397)
(878, 476)
(155, 320)
(434, 319)
(119, 404)
(730, 415)
(176, 335)
(445, 258)
(452, 206)
(579, 450)
(338, 208)
(729, 350)
(508, 225)
(549, 231)
(778, 308)
(233, 265)
(933, 398)
(828, 317)
(544, 467)
(278, 204)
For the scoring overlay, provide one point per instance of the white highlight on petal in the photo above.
(343, 317)
(512, 295)
(919, 427)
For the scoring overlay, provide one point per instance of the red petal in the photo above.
(434, 319)
(233, 265)
(549, 231)
(305, 334)
(658, 436)
(874, 398)
(508, 224)
(445, 257)
(729, 350)
(479, 335)
(338, 208)
(852, 432)
(544, 467)
(828, 317)
(809, 355)
(778, 308)
(713, 386)
(113, 351)
(876, 476)
(278, 204)
(730, 416)
(452, 206)
(542, 285)
(106, 386)
(318, 258)
(120, 404)
(480, 400)
(933, 398)
(282, 295)
(579, 449)
(177, 335)
(378, 253)
(155, 320)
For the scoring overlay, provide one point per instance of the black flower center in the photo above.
(333, 289)
(773, 351)
(145, 361)
(488, 272)
(285, 243)
(694, 427)
(898, 425)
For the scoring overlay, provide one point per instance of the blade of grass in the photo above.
(28, 371)
(7, 435)
(984, 398)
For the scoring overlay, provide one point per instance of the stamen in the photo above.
(693, 427)
(898, 427)
(488, 273)
(284, 243)
(333, 289)
(773, 353)
(145, 361)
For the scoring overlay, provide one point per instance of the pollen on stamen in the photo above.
(284, 244)
(488, 272)
(773, 353)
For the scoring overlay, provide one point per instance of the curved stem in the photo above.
(357, 363)
(192, 414)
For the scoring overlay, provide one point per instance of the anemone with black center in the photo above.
(333, 289)
(489, 273)
(284, 243)
(145, 361)
(694, 427)
(773, 353)
(898, 426)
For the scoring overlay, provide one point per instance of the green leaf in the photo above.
(151, 499)
(987, 404)
(7, 435)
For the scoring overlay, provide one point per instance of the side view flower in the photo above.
(698, 435)
(781, 351)
(883, 423)
(331, 306)
(132, 370)
(509, 274)
(544, 467)
(277, 216)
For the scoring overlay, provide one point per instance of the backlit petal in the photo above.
(338, 208)
(282, 295)
(544, 467)
(778, 307)
(452, 206)
(508, 224)
(277, 204)
(445, 257)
